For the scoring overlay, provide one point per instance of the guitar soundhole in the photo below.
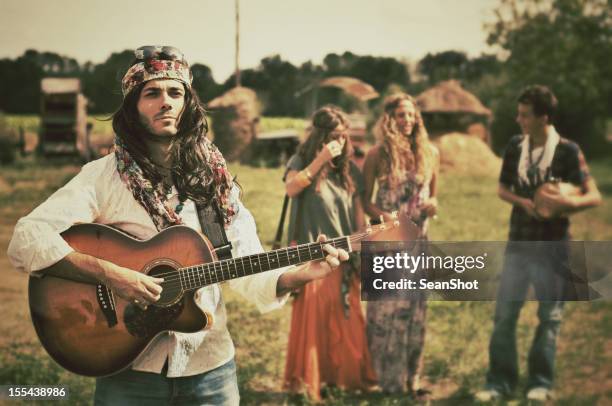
(172, 289)
(157, 317)
(146, 323)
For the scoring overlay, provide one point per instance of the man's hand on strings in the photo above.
(303, 274)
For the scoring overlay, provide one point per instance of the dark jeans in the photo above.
(545, 268)
(216, 387)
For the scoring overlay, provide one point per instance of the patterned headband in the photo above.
(151, 69)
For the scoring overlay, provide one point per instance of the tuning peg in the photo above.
(395, 218)
(382, 222)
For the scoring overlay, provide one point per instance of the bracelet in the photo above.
(302, 179)
(307, 173)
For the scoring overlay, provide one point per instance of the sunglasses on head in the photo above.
(159, 52)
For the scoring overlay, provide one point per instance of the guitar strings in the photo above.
(300, 249)
(215, 275)
(175, 278)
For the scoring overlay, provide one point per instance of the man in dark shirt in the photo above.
(532, 159)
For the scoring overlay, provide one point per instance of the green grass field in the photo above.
(457, 332)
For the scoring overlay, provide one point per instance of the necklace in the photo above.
(181, 204)
(179, 207)
(533, 166)
(168, 189)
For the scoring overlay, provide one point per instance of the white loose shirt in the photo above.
(97, 195)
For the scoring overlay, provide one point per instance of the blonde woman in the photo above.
(405, 165)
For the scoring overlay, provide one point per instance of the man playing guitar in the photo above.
(163, 172)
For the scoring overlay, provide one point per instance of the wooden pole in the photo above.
(237, 3)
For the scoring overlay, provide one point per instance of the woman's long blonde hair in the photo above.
(403, 154)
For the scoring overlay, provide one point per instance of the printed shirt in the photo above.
(568, 165)
(97, 195)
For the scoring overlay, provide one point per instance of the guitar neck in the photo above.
(194, 277)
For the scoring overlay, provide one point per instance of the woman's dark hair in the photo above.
(191, 173)
(324, 122)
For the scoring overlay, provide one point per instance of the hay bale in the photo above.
(480, 131)
(450, 97)
(448, 107)
(466, 154)
(235, 115)
(5, 187)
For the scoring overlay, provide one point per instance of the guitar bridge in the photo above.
(106, 301)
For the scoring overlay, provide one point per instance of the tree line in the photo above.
(278, 82)
(284, 88)
(564, 44)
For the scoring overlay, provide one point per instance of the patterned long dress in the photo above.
(396, 329)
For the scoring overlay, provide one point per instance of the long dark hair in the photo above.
(192, 175)
(324, 122)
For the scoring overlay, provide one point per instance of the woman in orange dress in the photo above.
(327, 340)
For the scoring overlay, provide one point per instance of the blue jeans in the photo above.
(216, 387)
(546, 270)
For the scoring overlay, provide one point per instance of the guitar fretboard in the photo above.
(195, 277)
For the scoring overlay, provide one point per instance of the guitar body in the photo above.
(68, 316)
(89, 331)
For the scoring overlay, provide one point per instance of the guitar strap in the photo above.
(281, 225)
(211, 222)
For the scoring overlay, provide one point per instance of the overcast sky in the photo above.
(204, 30)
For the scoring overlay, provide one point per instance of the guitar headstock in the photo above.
(398, 228)
(382, 225)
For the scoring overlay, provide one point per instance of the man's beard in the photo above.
(159, 139)
(150, 136)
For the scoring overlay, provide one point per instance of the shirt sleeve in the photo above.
(36, 243)
(259, 289)
(579, 170)
(295, 163)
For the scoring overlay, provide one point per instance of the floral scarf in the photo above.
(153, 197)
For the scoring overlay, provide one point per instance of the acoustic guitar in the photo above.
(89, 331)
